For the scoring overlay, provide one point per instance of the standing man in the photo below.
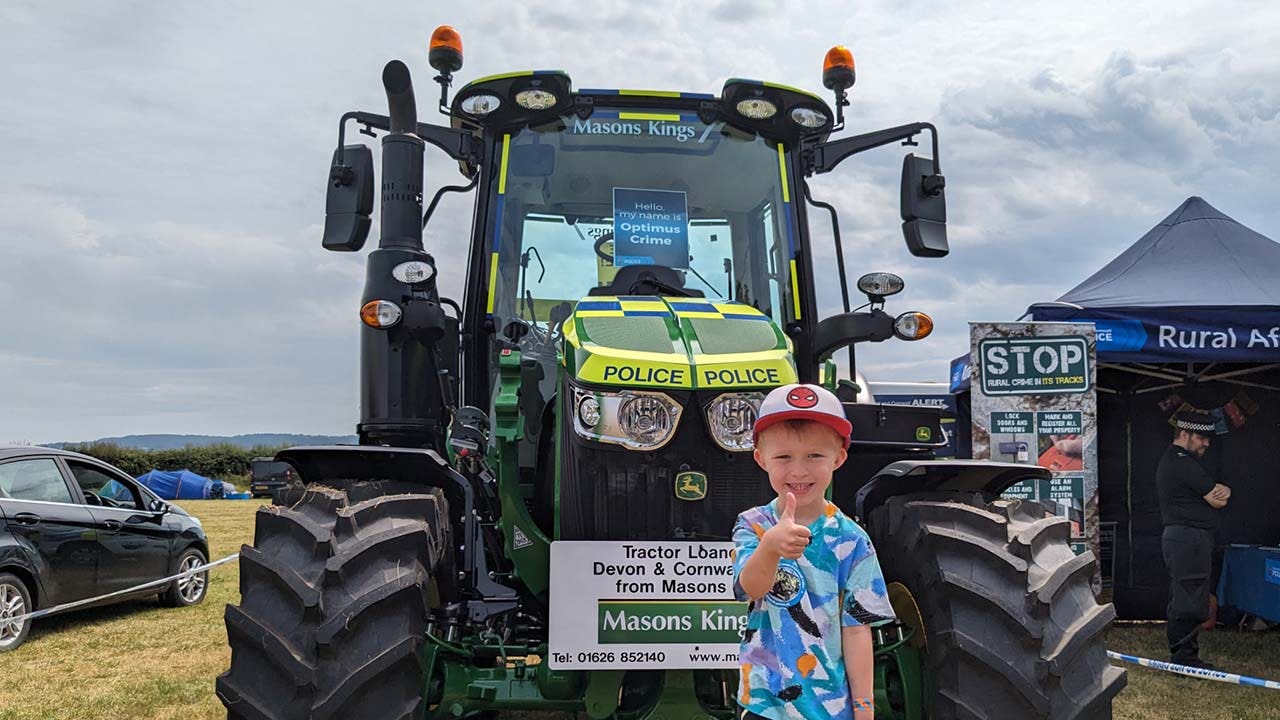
(1189, 505)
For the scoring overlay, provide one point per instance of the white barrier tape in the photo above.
(126, 591)
(1195, 672)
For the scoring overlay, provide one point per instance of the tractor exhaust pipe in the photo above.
(402, 151)
(401, 402)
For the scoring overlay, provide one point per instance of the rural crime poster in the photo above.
(1034, 402)
(643, 605)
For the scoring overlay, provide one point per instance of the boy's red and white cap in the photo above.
(803, 402)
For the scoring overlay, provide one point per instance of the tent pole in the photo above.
(1246, 383)
(1148, 373)
(1158, 388)
(1242, 383)
(1128, 485)
(1241, 371)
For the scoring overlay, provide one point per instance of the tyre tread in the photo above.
(342, 581)
(963, 559)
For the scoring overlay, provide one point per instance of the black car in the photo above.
(267, 475)
(72, 527)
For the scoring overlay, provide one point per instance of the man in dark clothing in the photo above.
(1189, 505)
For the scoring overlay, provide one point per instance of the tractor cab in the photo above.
(644, 202)
(628, 204)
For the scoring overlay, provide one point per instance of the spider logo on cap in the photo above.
(802, 397)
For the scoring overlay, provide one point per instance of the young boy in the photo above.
(810, 574)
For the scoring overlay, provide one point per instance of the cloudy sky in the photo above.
(160, 219)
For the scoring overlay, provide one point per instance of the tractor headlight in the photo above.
(633, 419)
(412, 272)
(731, 417)
(589, 411)
(647, 419)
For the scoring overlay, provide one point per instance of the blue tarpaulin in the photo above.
(181, 485)
(1198, 287)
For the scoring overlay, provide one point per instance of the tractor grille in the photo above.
(609, 493)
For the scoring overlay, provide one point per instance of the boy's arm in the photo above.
(855, 644)
(786, 539)
(759, 571)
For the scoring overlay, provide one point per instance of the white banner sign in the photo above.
(643, 605)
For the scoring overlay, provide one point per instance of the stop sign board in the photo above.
(1034, 365)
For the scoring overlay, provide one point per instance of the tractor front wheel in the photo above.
(335, 596)
(1010, 623)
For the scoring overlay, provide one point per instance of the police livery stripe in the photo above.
(791, 239)
(497, 218)
(648, 93)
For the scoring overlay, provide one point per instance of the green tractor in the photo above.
(538, 513)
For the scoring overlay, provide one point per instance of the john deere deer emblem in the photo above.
(691, 486)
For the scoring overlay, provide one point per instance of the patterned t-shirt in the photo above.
(792, 661)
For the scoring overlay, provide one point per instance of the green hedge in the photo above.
(223, 461)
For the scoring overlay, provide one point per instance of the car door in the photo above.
(134, 541)
(58, 532)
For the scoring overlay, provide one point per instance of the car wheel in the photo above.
(189, 590)
(15, 601)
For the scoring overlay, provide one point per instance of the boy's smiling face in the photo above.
(800, 457)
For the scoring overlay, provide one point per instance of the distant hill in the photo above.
(174, 442)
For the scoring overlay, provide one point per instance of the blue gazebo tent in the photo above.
(1189, 315)
(1199, 287)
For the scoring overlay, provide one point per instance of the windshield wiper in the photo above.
(704, 280)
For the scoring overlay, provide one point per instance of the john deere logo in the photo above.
(691, 486)
(924, 434)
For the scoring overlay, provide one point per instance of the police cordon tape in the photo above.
(1195, 672)
(127, 591)
(1202, 673)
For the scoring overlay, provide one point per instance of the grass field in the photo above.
(139, 660)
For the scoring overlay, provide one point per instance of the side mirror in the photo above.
(348, 206)
(924, 208)
(159, 506)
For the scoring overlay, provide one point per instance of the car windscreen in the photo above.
(263, 468)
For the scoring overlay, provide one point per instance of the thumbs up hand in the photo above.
(788, 538)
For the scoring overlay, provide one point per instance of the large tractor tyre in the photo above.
(1011, 625)
(335, 596)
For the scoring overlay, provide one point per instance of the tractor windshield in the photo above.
(579, 202)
